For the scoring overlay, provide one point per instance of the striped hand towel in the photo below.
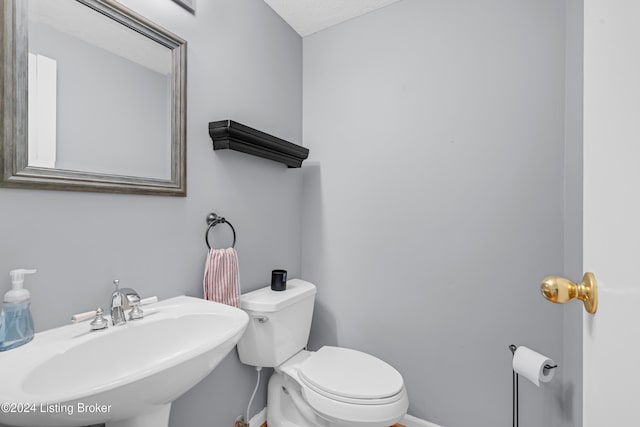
(222, 277)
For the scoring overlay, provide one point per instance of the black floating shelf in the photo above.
(227, 134)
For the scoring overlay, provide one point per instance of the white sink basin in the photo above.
(125, 376)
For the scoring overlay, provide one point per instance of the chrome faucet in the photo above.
(124, 299)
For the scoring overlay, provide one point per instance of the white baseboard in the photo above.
(261, 417)
(417, 422)
(258, 419)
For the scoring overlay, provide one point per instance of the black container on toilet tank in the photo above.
(278, 280)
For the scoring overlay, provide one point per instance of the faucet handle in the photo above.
(136, 312)
(99, 322)
(116, 282)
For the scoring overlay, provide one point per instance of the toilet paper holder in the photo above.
(513, 349)
(516, 387)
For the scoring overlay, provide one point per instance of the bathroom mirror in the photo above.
(93, 99)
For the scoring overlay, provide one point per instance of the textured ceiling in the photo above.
(310, 16)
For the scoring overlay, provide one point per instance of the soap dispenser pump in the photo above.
(16, 323)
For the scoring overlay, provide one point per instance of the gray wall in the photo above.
(433, 199)
(244, 63)
(92, 135)
(572, 411)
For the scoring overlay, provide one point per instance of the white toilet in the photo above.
(332, 387)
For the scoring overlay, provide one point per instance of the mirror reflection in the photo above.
(99, 94)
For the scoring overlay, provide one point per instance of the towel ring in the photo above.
(213, 220)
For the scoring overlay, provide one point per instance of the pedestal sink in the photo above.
(124, 376)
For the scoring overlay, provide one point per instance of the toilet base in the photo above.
(281, 409)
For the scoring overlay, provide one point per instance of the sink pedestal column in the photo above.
(159, 418)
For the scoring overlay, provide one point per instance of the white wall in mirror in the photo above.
(42, 111)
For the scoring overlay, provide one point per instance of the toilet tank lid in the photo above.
(265, 300)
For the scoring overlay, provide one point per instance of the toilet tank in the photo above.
(280, 323)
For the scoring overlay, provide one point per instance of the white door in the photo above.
(611, 338)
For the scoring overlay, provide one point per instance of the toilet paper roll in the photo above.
(531, 365)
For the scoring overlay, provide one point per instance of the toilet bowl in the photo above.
(332, 387)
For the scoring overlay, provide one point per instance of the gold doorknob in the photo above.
(561, 290)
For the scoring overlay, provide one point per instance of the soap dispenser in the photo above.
(16, 323)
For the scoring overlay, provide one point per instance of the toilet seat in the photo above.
(351, 376)
(348, 387)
